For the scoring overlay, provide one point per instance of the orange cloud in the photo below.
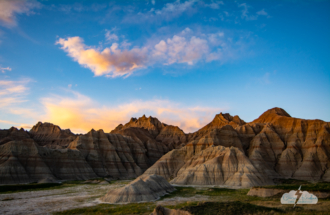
(81, 114)
(111, 61)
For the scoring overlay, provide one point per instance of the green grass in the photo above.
(47, 186)
(323, 186)
(27, 187)
(127, 209)
(229, 208)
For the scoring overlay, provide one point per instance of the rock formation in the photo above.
(47, 134)
(171, 136)
(142, 189)
(227, 151)
(45, 154)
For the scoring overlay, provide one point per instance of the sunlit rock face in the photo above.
(171, 136)
(142, 189)
(227, 151)
(235, 153)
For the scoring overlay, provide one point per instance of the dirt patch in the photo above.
(49, 201)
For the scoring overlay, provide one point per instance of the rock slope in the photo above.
(229, 151)
(142, 189)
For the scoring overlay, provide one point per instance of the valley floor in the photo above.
(80, 198)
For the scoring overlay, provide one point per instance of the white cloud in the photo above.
(214, 4)
(185, 47)
(180, 50)
(3, 70)
(153, 2)
(110, 36)
(12, 92)
(111, 61)
(81, 113)
(10, 8)
(262, 12)
(245, 13)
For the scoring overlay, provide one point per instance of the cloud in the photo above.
(9, 9)
(214, 4)
(262, 12)
(185, 47)
(305, 198)
(110, 36)
(153, 2)
(167, 12)
(175, 9)
(111, 61)
(18, 125)
(180, 50)
(245, 13)
(80, 113)
(3, 70)
(13, 97)
(13, 92)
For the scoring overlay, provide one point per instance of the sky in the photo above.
(96, 64)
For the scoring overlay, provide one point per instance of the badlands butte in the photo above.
(227, 151)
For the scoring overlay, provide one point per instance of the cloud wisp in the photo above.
(184, 47)
(3, 70)
(9, 9)
(247, 16)
(13, 92)
(80, 113)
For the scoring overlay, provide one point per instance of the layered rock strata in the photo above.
(142, 189)
(95, 154)
(273, 146)
(227, 151)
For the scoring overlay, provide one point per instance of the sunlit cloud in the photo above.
(184, 47)
(81, 113)
(111, 61)
(9, 9)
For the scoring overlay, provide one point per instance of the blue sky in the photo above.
(83, 64)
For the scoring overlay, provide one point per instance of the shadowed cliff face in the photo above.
(227, 151)
(52, 136)
(49, 153)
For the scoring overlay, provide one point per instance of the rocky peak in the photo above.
(152, 124)
(45, 128)
(271, 115)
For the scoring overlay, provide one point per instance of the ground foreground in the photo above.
(82, 198)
